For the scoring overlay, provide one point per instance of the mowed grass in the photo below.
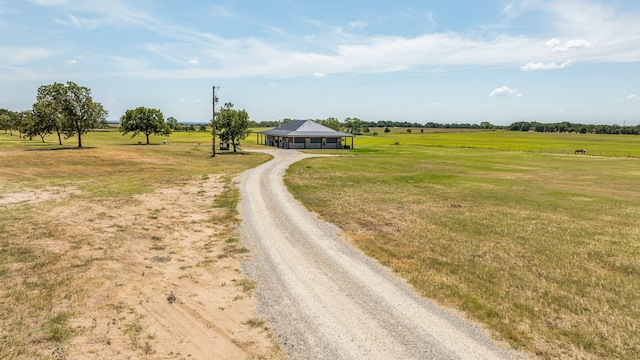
(44, 263)
(542, 248)
(558, 143)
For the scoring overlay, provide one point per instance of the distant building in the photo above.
(304, 134)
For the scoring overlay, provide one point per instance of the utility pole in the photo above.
(213, 123)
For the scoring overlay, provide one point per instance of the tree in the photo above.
(233, 125)
(173, 123)
(16, 121)
(33, 126)
(6, 121)
(48, 109)
(143, 120)
(353, 125)
(331, 123)
(79, 112)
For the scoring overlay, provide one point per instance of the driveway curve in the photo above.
(325, 300)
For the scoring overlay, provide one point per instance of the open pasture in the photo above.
(541, 248)
(558, 143)
(114, 165)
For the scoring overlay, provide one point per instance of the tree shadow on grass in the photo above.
(231, 153)
(143, 144)
(61, 148)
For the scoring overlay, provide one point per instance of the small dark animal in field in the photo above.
(580, 151)
(196, 147)
(171, 298)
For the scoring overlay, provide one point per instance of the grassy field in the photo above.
(537, 243)
(48, 269)
(541, 247)
(559, 143)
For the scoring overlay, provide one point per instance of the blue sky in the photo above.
(418, 61)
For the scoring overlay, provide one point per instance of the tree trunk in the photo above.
(79, 130)
(59, 138)
(147, 135)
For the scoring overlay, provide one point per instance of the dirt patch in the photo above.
(162, 277)
(35, 196)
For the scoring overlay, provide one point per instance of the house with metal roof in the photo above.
(304, 134)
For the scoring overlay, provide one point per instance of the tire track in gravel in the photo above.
(326, 300)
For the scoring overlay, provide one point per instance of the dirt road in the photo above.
(325, 300)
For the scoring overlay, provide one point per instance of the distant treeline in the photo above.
(574, 128)
(384, 123)
(356, 126)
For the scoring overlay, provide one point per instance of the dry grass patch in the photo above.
(86, 269)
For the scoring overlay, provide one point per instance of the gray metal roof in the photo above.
(304, 128)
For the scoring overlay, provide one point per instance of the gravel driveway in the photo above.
(326, 300)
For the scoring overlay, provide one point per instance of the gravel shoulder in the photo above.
(326, 300)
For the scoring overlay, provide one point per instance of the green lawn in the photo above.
(562, 143)
(542, 248)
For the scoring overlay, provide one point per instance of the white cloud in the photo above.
(71, 61)
(358, 24)
(22, 55)
(51, 2)
(80, 23)
(616, 35)
(545, 66)
(633, 97)
(505, 91)
(194, 61)
(432, 22)
(182, 100)
(435, 104)
(575, 44)
(553, 43)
